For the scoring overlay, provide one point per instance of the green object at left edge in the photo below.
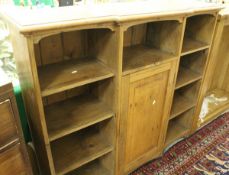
(22, 113)
(34, 2)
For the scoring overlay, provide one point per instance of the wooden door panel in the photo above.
(145, 114)
(12, 162)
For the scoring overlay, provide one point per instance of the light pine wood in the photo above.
(75, 114)
(140, 57)
(59, 77)
(78, 149)
(221, 71)
(147, 92)
(215, 72)
(177, 128)
(196, 62)
(96, 167)
(186, 76)
(73, 17)
(191, 45)
(51, 52)
(180, 105)
(146, 88)
(51, 49)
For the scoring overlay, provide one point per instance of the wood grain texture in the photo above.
(9, 131)
(51, 49)
(177, 128)
(12, 144)
(186, 76)
(96, 167)
(140, 57)
(180, 105)
(70, 17)
(191, 45)
(78, 149)
(144, 87)
(27, 70)
(13, 162)
(70, 74)
(75, 114)
(147, 92)
(196, 62)
(54, 48)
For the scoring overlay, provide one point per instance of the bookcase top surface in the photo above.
(225, 11)
(30, 20)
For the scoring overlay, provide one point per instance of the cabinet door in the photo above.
(146, 98)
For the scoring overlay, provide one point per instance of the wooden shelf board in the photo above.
(180, 105)
(139, 57)
(215, 109)
(94, 167)
(69, 74)
(75, 151)
(186, 76)
(190, 46)
(72, 115)
(175, 131)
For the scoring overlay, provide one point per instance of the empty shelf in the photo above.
(190, 46)
(139, 57)
(74, 114)
(175, 131)
(186, 76)
(180, 105)
(74, 151)
(94, 168)
(66, 75)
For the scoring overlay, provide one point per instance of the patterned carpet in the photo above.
(204, 153)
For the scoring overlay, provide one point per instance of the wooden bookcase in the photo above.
(107, 92)
(77, 85)
(216, 81)
(197, 41)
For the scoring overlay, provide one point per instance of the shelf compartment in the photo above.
(74, 114)
(180, 105)
(143, 49)
(184, 99)
(198, 33)
(98, 167)
(186, 76)
(179, 127)
(215, 107)
(140, 57)
(191, 45)
(78, 149)
(66, 75)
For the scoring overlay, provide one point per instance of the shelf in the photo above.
(69, 116)
(186, 76)
(66, 75)
(139, 57)
(79, 149)
(214, 107)
(96, 167)
(190, 46)
(180, 105)
(175, 131)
